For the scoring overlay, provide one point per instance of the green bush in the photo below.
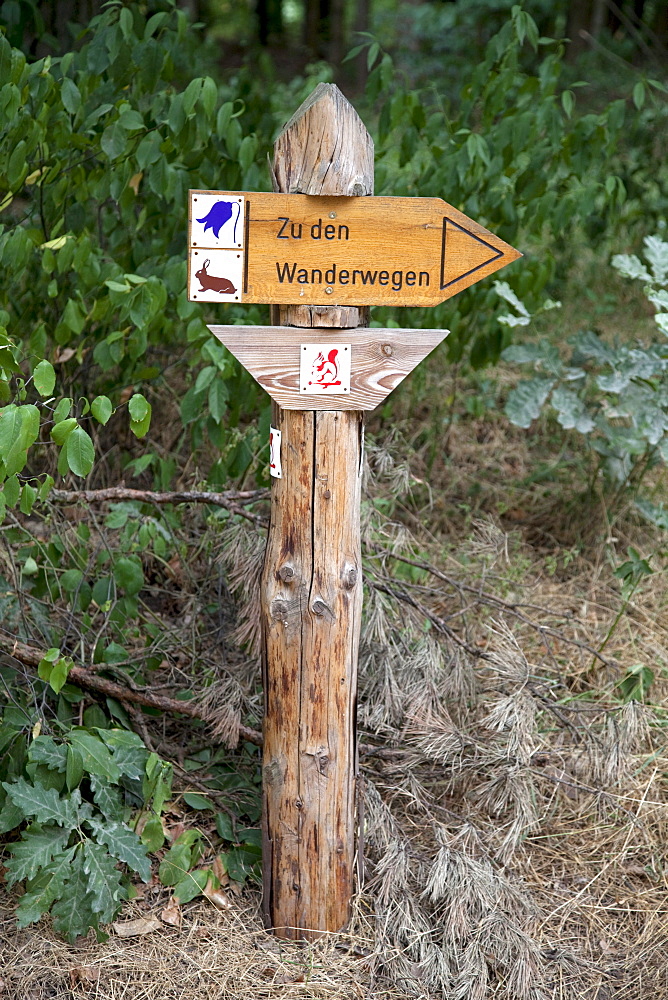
(511, 151)
(614, 394)
(97, 151)
(76, 796)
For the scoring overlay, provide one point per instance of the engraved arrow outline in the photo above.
(497, 253)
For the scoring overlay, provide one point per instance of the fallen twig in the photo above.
(232, 500)
(31, 656)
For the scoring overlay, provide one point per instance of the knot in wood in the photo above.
(322, 610)
(279, 610)
(387, 349)
(286, 573)
(350, 577)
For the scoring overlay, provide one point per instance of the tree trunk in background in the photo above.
(198, 10)
(337, 32)
(323, 19)
(362, 22)
(599, 13)
(270, 20)
(580, 16)
(660, 23)
(51, 18)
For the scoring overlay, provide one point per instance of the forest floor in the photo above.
(516, 544)
(594, 867)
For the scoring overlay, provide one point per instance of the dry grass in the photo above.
(213, 956)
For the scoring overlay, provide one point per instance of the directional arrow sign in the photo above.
(292, 248)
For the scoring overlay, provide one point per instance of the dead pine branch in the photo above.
(490, 600)
(30, 656)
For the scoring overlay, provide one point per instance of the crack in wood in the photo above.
(312, 580)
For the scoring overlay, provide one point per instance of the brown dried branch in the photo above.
(232, 500)
(30, 656)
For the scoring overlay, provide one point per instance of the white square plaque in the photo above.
(216, 221)
(324, 369)
(275, 468)
(216, 276)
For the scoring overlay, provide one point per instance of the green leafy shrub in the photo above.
(240, 860)
(73, 799)
(97, 151)
(615, 395)
(511, 150)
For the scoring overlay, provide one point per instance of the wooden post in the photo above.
(312, 582)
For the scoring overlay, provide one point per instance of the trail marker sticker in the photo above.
(324, 369)
(215, 276)
(216, 220)
(275, 467)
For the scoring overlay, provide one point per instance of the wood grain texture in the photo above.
(338, 317)
(312, 587)
(381, 359)
(312, 154)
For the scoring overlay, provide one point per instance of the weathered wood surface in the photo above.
(312, 589)
(312, 605)
(312, 154)
(371, 251)
(339, 317)
(381, 359)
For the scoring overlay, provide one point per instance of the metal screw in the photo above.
(332, 215)
(328, 291)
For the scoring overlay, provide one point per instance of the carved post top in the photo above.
(325, 148)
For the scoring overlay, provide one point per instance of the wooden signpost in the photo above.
(321, 250)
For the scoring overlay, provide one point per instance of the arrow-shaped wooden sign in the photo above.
(294, 248)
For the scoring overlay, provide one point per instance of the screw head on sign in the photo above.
(332, 215)
(328, 291)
